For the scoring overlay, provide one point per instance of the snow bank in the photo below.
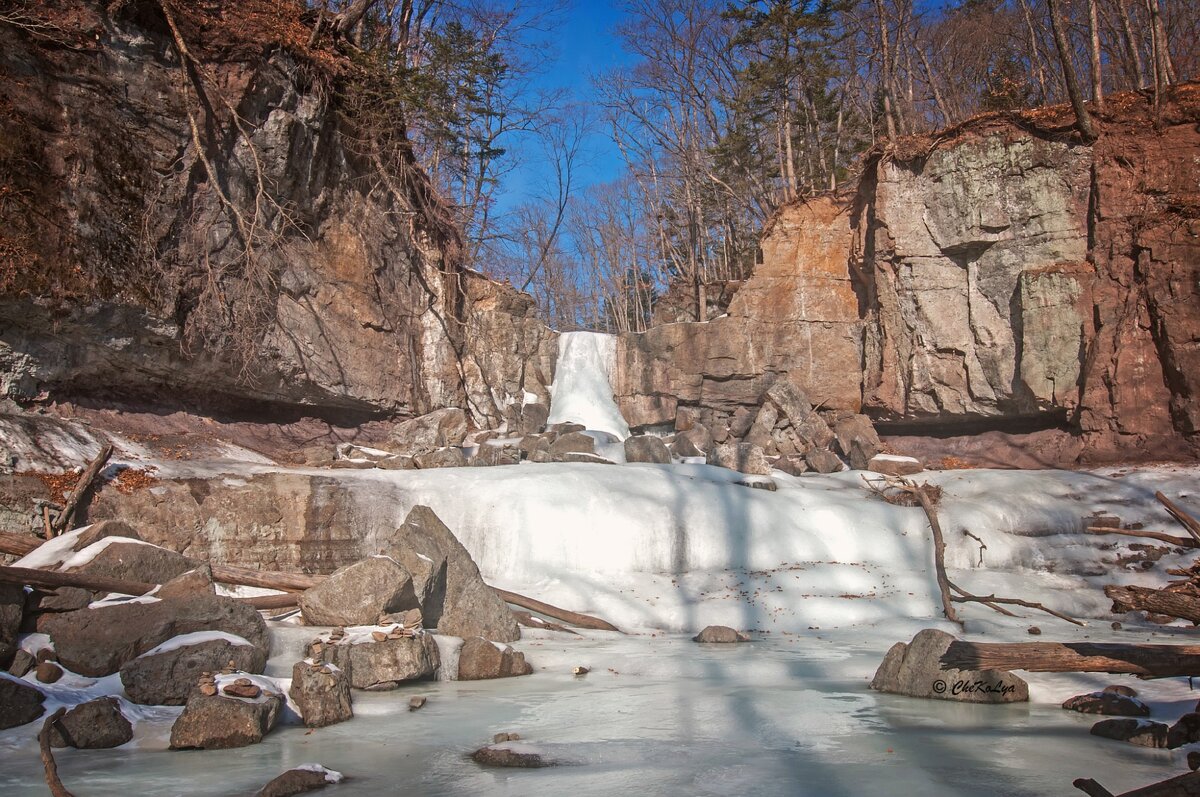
(582, 391)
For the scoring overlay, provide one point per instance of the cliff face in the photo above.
(124, 276)
(999, 276)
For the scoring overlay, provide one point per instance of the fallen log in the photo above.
(1109, 657)
(53, 578)
(1187, 521)
(81, 489)
(1155, 601)
(567, 616)
(1182, 542)
(17, 544)
(1186, 785)
(57, 789)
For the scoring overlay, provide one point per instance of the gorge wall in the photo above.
(999, 276)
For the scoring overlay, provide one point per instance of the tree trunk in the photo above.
(1094, 53)
(81, 489)
(1155, 601)
(1131, 45)
(1083, 119)
(1155, 660)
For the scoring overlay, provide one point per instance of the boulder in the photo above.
(647, 448)
(764, 424)
(197, 581)
(130, 560)
(510, 754)
(857, 440)
(533, 418)
(567, 427)
(19, 703)
(893, 465)
(48, 672)
(397, 462)
(357, 594)
(95, 725)
(22, 663)
(1143, 733)
(219, 722)
(440, 428)
(96, 642)
(913, 669)
(824, 461)
(532, 443)
(469, 606)
(60, 599)
(166, 675)
(12, 610)
(321, 692)
(722, 634)
(480, 659)
(1109, 703)
(572, 442)
(379, 664)
(790, 401)
(489, 456)
(742, 457)
(792, 464)
(695, 441)
(441, 458)
(1185, 731)
(428, 579)
(306, 777)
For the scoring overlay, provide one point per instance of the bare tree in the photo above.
(1083, 120)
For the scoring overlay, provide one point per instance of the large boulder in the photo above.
(306, 777)
(95, 725)
(469, 606)
(359, 593)
(1143, 733)
(480, 659)
(12, 609)
(96, 642)
(165, 675)
(440, 428)
(219, 721)
(378, 660)
(914, 669)
(647, 448)
(19, 702)
(572, 443)
(321, 692)
(857, 440)
(1110, 703)
(129, 560)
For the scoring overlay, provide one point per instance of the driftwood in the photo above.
(53, 579)
(1109, 657)
(57, 789)
(81, 489)
(574, 618)
(1187, 521)
(1182, 542)
(1155, 601)
(529, 621)
(1186, 785)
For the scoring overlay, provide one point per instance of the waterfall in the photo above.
(582, 390)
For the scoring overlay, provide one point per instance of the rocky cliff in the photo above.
(1002, 275)
(200, 222)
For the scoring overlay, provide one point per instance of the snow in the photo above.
(51, 553)
(896, 458)
(196, 638)
(331, 775)
(582, 391)
(269, 686)
(117, 598)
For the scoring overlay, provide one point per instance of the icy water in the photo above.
(656, 716)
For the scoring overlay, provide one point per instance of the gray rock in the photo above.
(1143, 733)
(469, 607)
(786, 395)
(357, 594)
(505, 755)
(720, 634)
(19, 703)
(217, 722)
(913, 669)
(296, 781)
(136, 561)
(742, 457)
(823, 461)
(62, 599)
(533, 418)
(429, 581)
(1107, 703)
(856, 437)
(437, 429)
(12, 610)
(381, 665)
(95, 725)
(95, 642)
(167, 678)
(322, 693)
(573, 442)
(764, 424)
(441, 458)
(647, 448)
(479, 659)
(22, 663)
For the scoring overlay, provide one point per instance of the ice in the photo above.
(196, 638)
(582, 391)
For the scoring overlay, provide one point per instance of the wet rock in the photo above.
(416, 702)
(893, 465)
(216, 722)
(437, 429)
(1143, 733)
(1108, 703)
(22, 663)
(480, 659)
(307, 777)
(322, 693)
(95, 642)
(167, 678)
(19, 703)
(824, 461)
(720, 634)
(441, 458)
(573, 442)
(12, 609)
(508, 754)
(136, 561)
(357, 594)
(381, 664)
(742, 457)
(48, 672)
(95, 725)
(1185, 730)
(1120, 689)
(647, 448)
(914, 669)
(469, 607)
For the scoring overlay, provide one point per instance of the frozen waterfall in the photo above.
(582, 390)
